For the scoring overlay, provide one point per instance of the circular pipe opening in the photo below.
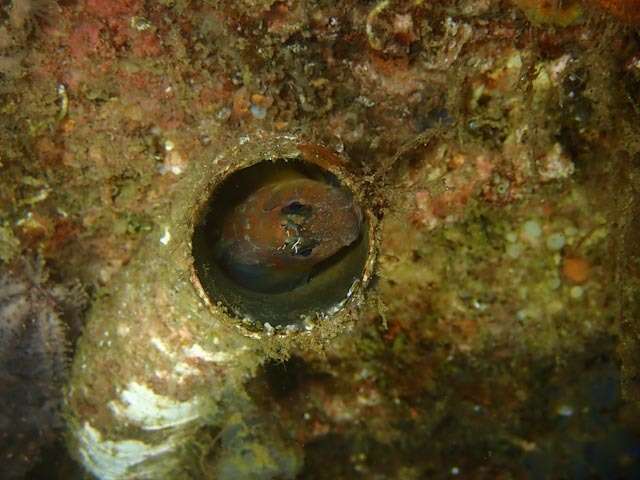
(281, 244)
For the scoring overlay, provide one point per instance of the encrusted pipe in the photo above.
(167, 346)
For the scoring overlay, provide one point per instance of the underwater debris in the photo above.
(33, 366)
(179, 351)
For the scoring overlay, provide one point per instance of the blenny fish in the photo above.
(275, 239)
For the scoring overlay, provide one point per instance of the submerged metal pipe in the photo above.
(169, 344)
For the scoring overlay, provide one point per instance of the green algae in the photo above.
(9, 244)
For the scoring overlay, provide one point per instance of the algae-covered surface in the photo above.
(496, 147)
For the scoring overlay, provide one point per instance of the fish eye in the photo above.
(282, 243)
(297, 208)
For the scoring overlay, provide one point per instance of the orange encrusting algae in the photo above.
(576, 269)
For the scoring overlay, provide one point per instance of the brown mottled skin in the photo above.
(271, 241)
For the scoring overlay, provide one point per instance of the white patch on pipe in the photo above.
(114, 460)
(151, 411)
(196, 351)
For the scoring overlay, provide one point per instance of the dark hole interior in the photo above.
(297, 208)
(284, 378)
(276, 283)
